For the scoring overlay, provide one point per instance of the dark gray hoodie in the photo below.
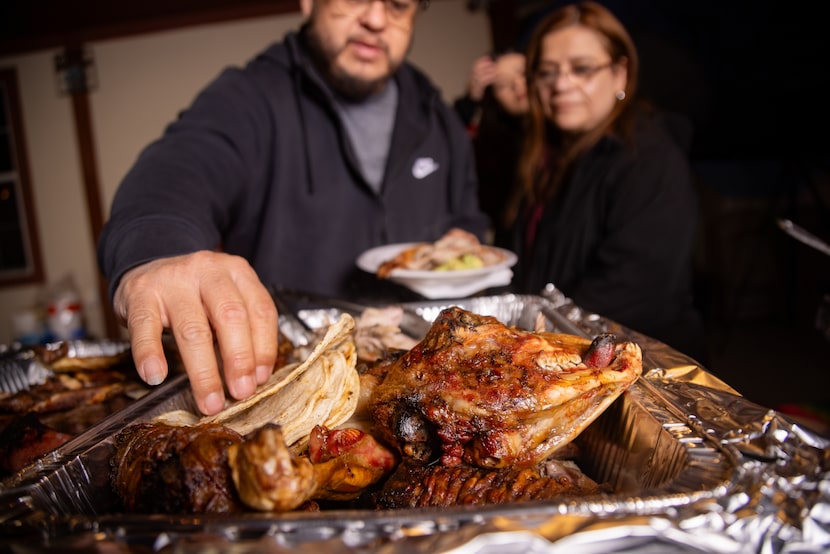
(260, 166)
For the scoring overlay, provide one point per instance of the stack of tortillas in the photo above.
(322, 390)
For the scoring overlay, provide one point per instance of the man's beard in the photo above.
(349, 86)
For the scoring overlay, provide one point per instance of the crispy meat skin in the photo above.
(477, 392)
(417, 486)
(169, 469)
(477, 412)
(209, 468)
(339, 465)
(267, 474)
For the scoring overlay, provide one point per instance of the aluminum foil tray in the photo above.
(694, 468)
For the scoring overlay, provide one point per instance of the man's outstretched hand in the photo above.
(208, 300)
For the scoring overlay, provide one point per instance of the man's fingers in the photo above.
(165, 294)
(141, 314)
(199, 296)
(145, 330)
(245, 321)
(263, 316)
(229, 316)
(194, 339)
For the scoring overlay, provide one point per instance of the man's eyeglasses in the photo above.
(579, 74)
(398, 11)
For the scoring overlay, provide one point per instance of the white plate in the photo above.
(440, 284)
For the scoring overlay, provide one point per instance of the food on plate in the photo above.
(457, 249)
(475, 391)
(475, 413)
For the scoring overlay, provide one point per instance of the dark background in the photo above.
(753, 76)
(753, 79)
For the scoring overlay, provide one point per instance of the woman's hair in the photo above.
(537, 180)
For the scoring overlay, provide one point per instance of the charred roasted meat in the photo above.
(347, 461)
(210, 468)
(475, 391)
(175, 469)
(416, 486)
(475, 413)
(69, 390)
(38, 420)
(267, 474)
(24, 439)
(82, 355)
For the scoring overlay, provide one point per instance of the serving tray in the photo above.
(680, 449)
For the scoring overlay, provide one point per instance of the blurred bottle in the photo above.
(64, 310)
(29, 326)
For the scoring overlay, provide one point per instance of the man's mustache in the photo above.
(375, 42)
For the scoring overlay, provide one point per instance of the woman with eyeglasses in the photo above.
(605, 209)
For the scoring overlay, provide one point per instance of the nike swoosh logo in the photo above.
(424, 167)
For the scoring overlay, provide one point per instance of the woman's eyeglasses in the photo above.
(579, 74)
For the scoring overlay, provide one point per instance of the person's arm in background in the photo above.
(467, 106)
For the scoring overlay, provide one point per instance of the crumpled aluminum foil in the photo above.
(784, 472)
(780, 502)
(777, 500)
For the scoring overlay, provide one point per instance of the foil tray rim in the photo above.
(709, 477)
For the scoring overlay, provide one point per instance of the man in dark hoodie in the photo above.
(326, 144)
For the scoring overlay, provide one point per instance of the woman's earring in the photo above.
(620, 94)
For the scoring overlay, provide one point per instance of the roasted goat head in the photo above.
(478, 392)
